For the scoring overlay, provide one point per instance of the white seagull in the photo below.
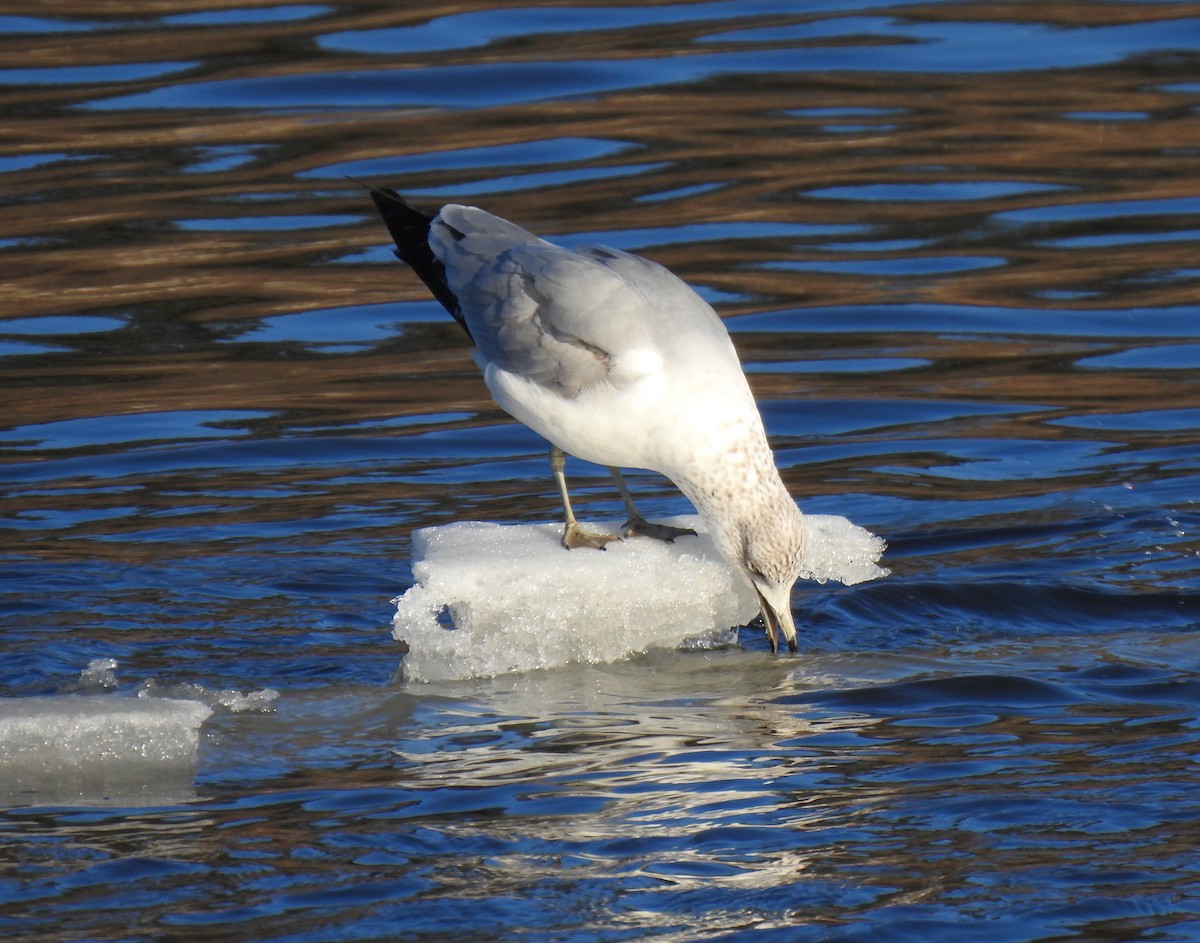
(614, 360)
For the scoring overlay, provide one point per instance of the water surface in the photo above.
(956, 245)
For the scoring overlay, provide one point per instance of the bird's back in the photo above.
(569, 318)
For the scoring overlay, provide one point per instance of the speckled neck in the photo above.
(754, 520)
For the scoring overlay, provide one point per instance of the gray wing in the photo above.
(562, 319)
(538, 312)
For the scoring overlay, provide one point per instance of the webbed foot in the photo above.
(640, 527)
(575, 536)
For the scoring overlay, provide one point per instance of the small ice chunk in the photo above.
(518, 601)
(234, 701)
(96, 749)
(99, 675)
(262, 701)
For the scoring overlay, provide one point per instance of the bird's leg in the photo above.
(574, 535)
(638, 526)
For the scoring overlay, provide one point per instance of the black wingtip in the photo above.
(405, 224)
(409, 229)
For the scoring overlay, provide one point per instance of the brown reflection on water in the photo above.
(105, 230)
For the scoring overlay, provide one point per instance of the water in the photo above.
(957, 248)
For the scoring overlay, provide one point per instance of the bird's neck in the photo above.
(739, 493)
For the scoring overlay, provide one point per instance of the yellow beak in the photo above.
(778, 619)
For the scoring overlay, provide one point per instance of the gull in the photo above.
(615, 360)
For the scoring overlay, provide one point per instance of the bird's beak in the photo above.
(778, 619)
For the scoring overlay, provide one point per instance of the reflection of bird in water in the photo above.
(615, 360)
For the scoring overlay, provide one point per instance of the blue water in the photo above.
(956, 248)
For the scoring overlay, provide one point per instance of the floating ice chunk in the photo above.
(97, 749)
(518, 601)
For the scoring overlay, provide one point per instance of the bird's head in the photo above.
(771, 559)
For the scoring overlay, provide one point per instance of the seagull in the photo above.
(615, 360)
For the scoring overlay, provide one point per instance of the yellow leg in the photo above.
(574, 536)
(638, 526)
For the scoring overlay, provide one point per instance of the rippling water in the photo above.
(957, 247)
